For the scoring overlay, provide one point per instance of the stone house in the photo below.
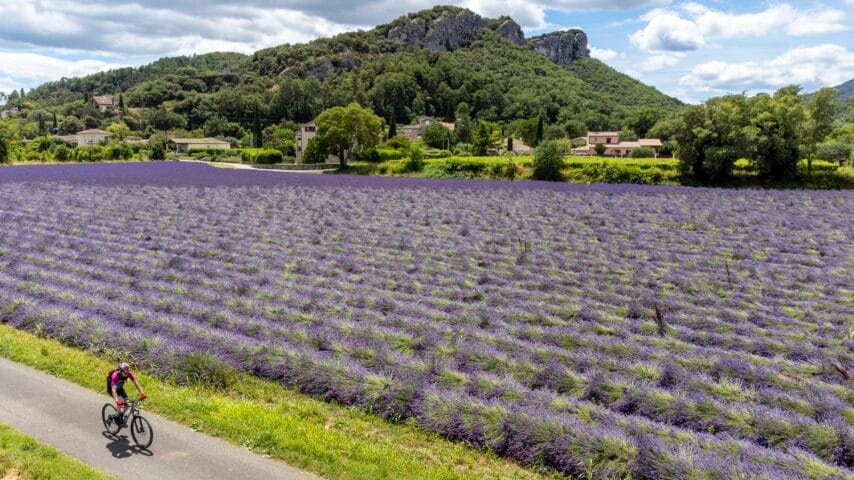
(415, 131)
(304, 134)
(106, 102)
(614, 147)
(91, 137)
(11, 112)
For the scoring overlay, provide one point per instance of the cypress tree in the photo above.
(392, 127)
(121, 104)
(539, 137)
(55, 128)
(510, 143)
(42, 126)
(256, 130)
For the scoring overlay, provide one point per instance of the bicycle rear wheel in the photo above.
(141, 432)
(110, 424)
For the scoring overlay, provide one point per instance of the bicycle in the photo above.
(140, 429)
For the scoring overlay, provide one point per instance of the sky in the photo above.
(691, 50)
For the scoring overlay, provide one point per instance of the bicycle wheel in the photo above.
(107, 417)
(141, 432)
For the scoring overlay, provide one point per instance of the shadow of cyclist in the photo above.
(121, 447)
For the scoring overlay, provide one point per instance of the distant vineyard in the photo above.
(616, 331)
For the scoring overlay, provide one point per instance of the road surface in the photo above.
(68, 417)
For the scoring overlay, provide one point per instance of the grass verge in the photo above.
(333, 441)
(23, 458)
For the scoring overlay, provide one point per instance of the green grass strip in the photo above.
(330, 440)
(24, 458)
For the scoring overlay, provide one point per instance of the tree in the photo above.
(712, 137)
(480, 139)
(525, 130)
(257, 134)
(54, 129)
(641, 120)
(342, 131)
(122, 109)
(600, 149)
(540, 131)
(775, 133)
(834, 151)
(119, 130)
(158, 148)
(510, 143)
(392, 126)
(463, 122)
(4, 150)
(437, 136)
(548, 162)
(819, 121)
(70, 125)
(42, 125)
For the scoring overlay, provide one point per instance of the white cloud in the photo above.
(42, 67)
(692, 25)
(660, 61)
(811, 67)
(603, 54)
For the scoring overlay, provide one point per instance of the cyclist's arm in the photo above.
(136, 384)
(114, 390)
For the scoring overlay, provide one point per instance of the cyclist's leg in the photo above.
(121, 410)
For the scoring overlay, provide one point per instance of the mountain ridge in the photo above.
(424, 63)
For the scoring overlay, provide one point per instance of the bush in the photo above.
(62, 153)
(158, 151)
(433, 153)
(548, 162)
(89, 154)
(118, 151)
(643, 152)
(504, 170)
(398, 143)
(834, 152)
(4, 150)
(200, 368)
(386, 154)
(415, 161)
(209, 152)
(263, 156)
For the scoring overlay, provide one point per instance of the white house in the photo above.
(12, 112)
(304, 134)
(94, 136)
(184, 145)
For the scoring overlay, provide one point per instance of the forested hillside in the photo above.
(427, 63)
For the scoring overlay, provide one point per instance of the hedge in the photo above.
(261, 155)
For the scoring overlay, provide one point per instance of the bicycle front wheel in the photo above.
(110, 424)
(141, 432)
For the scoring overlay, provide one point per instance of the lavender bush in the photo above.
(613, 331)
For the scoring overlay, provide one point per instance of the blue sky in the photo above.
(688, 49)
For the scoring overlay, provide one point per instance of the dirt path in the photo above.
(68, 417)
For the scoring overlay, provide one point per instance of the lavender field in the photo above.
(618, 331)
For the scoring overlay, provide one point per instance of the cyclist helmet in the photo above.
(124, 367)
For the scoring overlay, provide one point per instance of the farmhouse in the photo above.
(413, 132)
(88, 138)
(613, 146)
(184, 145)
(519, 147)
(304, 134)
(106, 102)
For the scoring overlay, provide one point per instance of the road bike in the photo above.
(140, 429)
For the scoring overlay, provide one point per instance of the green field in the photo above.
(23, 458)
(330, 440)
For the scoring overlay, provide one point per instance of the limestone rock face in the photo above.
(452, 30)
(410, 33)
(563, 47)
(512, 32)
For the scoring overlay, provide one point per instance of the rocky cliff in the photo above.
(454, 29)
(563, 47)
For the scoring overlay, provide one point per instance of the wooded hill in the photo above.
(426, 63)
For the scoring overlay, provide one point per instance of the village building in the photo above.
(519, 147)
(416, 131)
(614, 147)
(92, 137)
(184, 145)
(106, 102)
(304, 134)
(11, 112)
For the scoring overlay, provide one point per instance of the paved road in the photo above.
(68, 417)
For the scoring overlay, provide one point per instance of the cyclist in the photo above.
(116, 388)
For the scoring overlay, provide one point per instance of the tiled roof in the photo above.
(93, 131)
(198, 141)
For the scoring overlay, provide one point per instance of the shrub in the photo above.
(398, 143)
(548, 162)
(433, 153)
(386, 154)
(118, 151)
(62, 153)
(89, 154)
(505, 170)
(600, 149)
(158, 151)
(263, 156)
(643, 152)
(199, 368)
(415, 161)
(834, 152)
